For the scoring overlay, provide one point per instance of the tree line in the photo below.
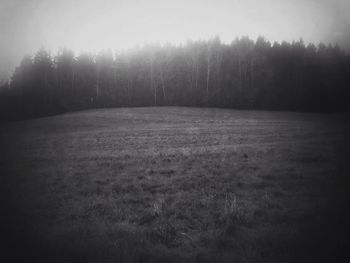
(244, 74)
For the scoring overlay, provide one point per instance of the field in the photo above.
(172, 184)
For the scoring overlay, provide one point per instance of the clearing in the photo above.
(170, 184)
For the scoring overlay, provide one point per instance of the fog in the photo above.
(91, 25)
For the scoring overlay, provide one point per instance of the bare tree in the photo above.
(208, 72)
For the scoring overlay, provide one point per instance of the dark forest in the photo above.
(245, 74)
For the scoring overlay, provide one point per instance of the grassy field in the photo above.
(172, 184)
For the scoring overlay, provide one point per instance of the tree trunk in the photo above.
(208, 76)
(72, 84)
(153, 87)
(129, 82)
(162, 80)
(252, 73)
(240, 74)
(98, 83)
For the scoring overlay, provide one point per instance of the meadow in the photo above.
(176, 184)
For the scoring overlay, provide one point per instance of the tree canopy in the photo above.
(244, 74)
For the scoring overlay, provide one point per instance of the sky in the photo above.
(94, 25)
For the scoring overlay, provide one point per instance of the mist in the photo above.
(174, 131)
(92, 25)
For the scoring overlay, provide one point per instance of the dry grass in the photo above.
(173, 184)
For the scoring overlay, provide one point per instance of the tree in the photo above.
(242, 74)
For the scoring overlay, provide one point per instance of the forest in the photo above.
(244, 74)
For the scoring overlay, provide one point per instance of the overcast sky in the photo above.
(92, 25)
